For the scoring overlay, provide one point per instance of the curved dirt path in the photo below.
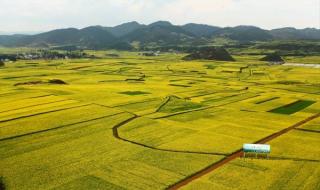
(117, 136)
(235, 155)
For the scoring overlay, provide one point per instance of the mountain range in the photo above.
(161, 33)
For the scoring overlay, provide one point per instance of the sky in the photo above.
(44, 15)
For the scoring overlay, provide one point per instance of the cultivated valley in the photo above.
(158, 122)
(160, 95)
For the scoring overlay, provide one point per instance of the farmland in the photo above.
(136, 122)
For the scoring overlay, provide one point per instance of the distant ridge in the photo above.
(292, 33)
(200, 30)
(124, 29)
(161, 33)
(244, 33)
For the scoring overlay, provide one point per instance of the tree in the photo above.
(1, 63)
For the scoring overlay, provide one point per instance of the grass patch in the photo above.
(211, 67)
(293, 107)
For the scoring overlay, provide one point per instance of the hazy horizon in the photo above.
(38, 32)
(34, 16)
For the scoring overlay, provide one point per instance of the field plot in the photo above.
(293, 107)
(262, 174)
(135, 122)
(313, 125)
(294, 164)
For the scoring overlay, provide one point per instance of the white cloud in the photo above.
(26, 15)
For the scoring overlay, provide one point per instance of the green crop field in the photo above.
(136, 122)
(293, 107)
(293, 164)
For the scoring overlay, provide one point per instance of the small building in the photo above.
(256, 149)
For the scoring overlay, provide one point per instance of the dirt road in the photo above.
(235, 155)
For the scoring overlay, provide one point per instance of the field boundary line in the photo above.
(235, 155)
(130, 103)
(117, 136)
(167, 99)
(221, 91)
(293, 159)
(267, 100)
(289, 90)
(35, 105)
(307, 130)
(59, 127)
(42, 113)
(203, 108)
(32, 97)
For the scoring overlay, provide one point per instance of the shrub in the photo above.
(210, 53)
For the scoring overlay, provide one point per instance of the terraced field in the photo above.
(137, 122)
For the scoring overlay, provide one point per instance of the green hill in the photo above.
(200, 30)
(161, 33)
(296, 34)
(124, 29)
(158, 34)
(244, 33)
